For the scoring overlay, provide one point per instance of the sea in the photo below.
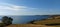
(24, 19)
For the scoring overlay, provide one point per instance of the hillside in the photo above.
(51, 20)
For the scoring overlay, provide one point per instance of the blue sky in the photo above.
(29, 7)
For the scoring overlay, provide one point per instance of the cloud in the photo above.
(13, 7)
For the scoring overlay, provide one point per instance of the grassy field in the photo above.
(48, 21)
(27, 25)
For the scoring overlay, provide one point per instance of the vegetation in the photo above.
(6, 21)
(53, 24)
(31, 22)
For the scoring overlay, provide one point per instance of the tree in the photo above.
(4, 19)
(10, 20)
(7, 20)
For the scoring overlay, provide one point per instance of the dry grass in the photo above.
(51, 21)
(27, 25)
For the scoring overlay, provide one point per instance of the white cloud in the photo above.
(13, 7)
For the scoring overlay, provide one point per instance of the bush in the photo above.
(6, 21)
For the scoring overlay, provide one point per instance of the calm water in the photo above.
(24, 19)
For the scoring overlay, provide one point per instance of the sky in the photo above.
(29, 7)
